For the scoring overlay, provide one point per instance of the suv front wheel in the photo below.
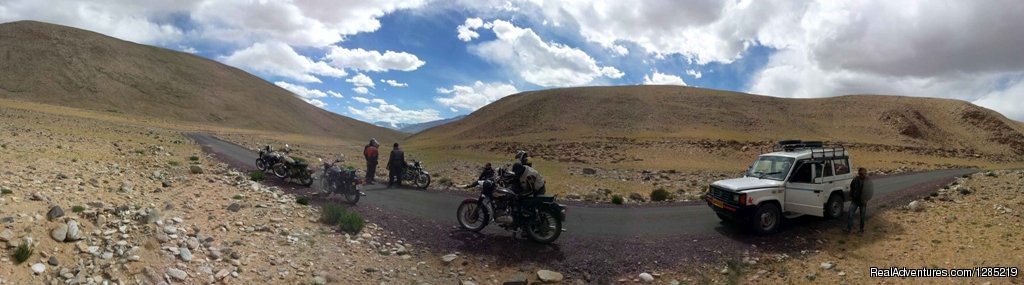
(766, 218)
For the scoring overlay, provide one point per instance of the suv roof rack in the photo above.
(819, 150)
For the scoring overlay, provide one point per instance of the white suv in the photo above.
(795, 178)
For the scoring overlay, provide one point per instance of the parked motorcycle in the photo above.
(539, 216)
(267, 158)
(333, 179)
(415, 175)
(293, 168)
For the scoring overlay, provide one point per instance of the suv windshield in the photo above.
(770, 167)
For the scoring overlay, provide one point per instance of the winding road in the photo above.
(604, 221)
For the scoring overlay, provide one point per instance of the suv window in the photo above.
(828, 168)
(802, 173)
(842, 166)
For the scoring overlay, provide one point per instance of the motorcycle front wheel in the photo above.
(261, 164)
(423, 181)
(280, 170)
(472, 216)
(545, 228)
(305, 179)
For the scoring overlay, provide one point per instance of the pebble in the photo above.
(54, 213)
(38, 268)
(549, 276)
(52, 261)
(185, 254)
(448, 258)
(826, 265)
(177, 274)
(646, 277)
(73, 232)
(170, 230)
(59, 233)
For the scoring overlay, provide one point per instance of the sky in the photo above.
(410, 61)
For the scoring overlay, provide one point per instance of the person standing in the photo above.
(370, 152)
(860, 192)
(396, 165)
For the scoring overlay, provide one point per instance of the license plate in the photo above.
(717, 203)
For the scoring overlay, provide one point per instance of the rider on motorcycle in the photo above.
(486, 174)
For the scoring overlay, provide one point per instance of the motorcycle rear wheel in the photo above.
(545, 228)
(306, 180)
(472, 216)
(352, 195)
(280, 170)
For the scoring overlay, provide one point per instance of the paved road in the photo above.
(589, 221)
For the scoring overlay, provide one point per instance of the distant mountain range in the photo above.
(418, 127)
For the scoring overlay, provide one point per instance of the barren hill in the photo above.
(695, 113)
(59, 65)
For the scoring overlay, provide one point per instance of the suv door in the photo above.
(803, 190)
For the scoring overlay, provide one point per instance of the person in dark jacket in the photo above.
(396, 165)
(370, 152)
(857, 199)
(486, 174)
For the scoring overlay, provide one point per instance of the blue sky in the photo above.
(420, 60)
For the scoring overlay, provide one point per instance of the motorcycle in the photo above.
(538, 216)
(415, 175)
(266, 159)
(293, 168)
(335, 180)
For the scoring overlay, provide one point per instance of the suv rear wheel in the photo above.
(767, 218)
(834, 206)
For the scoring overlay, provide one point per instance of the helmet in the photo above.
(373, 142)
(521, 156)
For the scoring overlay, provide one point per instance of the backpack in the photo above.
(531, 180)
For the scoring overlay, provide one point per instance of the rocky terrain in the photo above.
(107, 202)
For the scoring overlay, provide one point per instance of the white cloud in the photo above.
(307, 93)
(695, 73)
(316, 23)
(124, 19)
(187, 49)
(279, 59)
(658, 78)
(394, 83)
(361, 80)
(371, 60)
(363, 100)
(475, 96)
(361, 90)
(384, 112)
(379, 101)
(542, 63)
(316, 102)
(467, 31)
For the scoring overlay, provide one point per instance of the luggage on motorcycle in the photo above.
(531, 181)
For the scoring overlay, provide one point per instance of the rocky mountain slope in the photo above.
(687, 112)
(59, 65)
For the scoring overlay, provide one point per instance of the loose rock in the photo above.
(54, 213)
(548, 276)
(60, 233)
(646, 277)
(177, 274)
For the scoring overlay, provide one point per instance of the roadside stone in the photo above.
(548, 276)
(589, 171)
(234, 207)
(224, 273)
(177, 274)
(826, 265)
(59, 233)
(646, 277)
(6, 235)
(916, 206)
(195, 169)
(54, 213)
(637, 197)
(518, 279)
(127, 187)
(170, 230)
(52, 261)
(448, 258)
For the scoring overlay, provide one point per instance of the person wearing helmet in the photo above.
(522, 161)
(371, 155)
